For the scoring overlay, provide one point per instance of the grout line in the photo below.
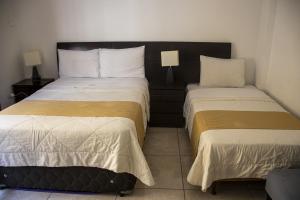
(150, 188)
(180, 164)
(49, 195)
(166, 155)
(195, 189)
(162, 155)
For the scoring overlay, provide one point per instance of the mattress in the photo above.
(70, 179)
(238, 153)
(63, 141)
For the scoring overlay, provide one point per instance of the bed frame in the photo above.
(189, 56)
(89, 179)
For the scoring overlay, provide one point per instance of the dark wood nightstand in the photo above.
(166, 104)
(26, 87)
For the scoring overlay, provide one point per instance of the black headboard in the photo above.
(189, 56)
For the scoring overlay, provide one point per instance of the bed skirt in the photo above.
(71, 179)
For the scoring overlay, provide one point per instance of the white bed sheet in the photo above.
(242, 153)
(57, 141)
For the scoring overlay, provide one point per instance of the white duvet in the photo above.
(238, 153)
(55, 141)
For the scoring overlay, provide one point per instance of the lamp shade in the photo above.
(169, 58)
(32, 58)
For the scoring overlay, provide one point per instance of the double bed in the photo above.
(238, 133)
(78, 122)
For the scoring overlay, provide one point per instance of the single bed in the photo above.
(82, 123)
(263, 135)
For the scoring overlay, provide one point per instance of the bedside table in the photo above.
(26, 87)
(166, 104)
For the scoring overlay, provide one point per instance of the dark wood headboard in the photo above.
(189, 56)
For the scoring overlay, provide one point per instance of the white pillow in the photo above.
(216, 72)
(122, 62)
(78, 64)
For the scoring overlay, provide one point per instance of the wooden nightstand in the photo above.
(166, 104)
(26, 87)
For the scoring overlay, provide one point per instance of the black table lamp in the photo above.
(169, 59)
(33, 59)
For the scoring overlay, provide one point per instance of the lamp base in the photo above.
(170, 76)
(36, 78)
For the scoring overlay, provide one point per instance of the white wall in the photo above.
(41, 23)
(283, 80)
(10, 66)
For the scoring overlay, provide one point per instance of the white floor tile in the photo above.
(24, 195)
(161, 143)
(166, 171)
(154, 194)
(2, 193)
(224, 195)
(68, 196)
(184, 142)
(186, 163)
(197, 195)
(161, 130)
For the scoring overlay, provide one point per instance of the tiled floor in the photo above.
(168, 153)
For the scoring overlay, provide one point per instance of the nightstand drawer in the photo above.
(166, 97)
(166, 120)
(25, 90)
(166, 104)
(166, 107)
(22, 93)
(168, 92)
(27, 87)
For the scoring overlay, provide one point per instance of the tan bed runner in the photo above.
(126, 109)
(219, 119)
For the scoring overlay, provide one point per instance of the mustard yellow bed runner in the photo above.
(125, 109)
(219, 119)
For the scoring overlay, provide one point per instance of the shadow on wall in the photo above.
(250, 65)
(250, 70)
(11, 70)
(38, 29)
(25, 25)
